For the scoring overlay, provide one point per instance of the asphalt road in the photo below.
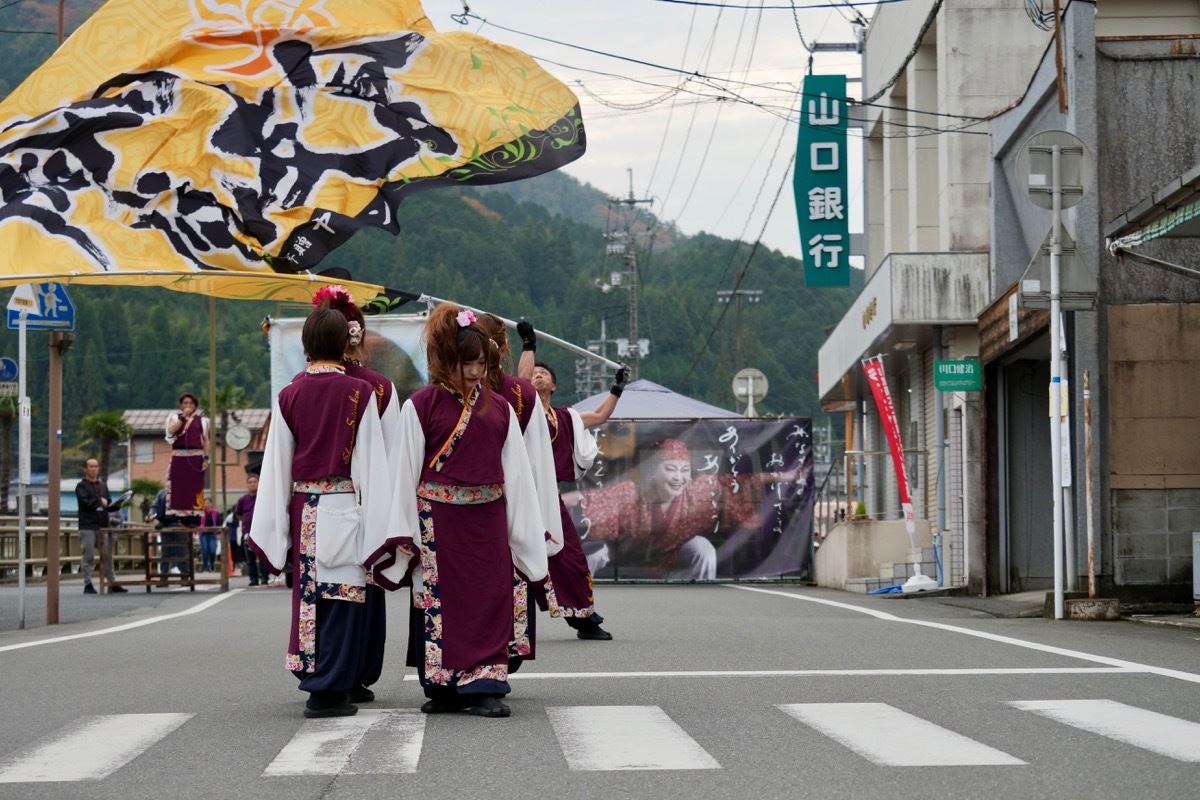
(706, 692)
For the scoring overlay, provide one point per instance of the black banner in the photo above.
(682, 500)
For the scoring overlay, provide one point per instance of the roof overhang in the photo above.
(1156, 211)
(896, 312)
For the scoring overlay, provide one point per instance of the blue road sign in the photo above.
(8, 369)
(58, 312)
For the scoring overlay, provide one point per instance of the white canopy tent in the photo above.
(643, 399)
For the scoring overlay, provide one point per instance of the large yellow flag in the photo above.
(226, 146)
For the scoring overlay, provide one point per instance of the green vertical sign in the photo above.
(820, 181)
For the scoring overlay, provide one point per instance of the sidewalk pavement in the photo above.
(1031, 604)
(75, 606)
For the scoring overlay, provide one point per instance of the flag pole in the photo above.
(544, 337)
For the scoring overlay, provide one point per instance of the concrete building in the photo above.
(150, 453)
(1127, 75)
(932, 70)
(952, 236)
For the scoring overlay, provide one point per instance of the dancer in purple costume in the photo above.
(522, 397)
(387, 402)
(568, 592)
(326, 506)
(468, 505)
(187, 432)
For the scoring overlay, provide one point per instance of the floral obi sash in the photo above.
(331, 485)
(460, 495)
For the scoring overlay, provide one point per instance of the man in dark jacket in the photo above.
(92, 495)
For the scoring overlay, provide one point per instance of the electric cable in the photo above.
(741, 275)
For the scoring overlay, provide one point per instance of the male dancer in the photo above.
(568, 590)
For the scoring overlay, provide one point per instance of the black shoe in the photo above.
(89, 589)
(595, 633)
(444, 706)
(254, 583)
(328, 704)
(361, 694)
(489, 707)
(117, 589)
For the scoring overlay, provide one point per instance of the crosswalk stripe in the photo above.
(625, 738)
(90, 749)
(1149, 730)
(392, 746)
(327, 746)
(891, 737)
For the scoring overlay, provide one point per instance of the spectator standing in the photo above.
(211, 519)
(93, 498)
(244, 512)
(234, 543)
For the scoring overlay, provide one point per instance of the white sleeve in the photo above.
(390, 422)
(167, 428)
(541, 463)
(270, 528)
(404, 484)
(372, 478)
(586, 448)
(526, 533)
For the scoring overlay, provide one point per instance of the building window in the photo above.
(143, 451)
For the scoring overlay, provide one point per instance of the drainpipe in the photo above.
(939, 437)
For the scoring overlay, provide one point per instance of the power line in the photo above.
(714, 82)
(742, 274)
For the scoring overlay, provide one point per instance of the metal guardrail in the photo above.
(867, 471)
(830, 504)
(132, 545)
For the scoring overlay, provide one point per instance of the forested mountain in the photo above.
(536, 249)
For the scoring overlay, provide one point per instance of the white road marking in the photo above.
(332, 746)
(818, 673)
(392, 746)
(1130, 666)
(625, 738)
(92, 748)
(894, 738)
(196, 609)
(1149, 730)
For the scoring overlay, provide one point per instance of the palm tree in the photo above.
(105, 428)
(145, 490)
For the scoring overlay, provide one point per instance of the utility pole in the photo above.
(590, 375)
(752, 296)
(58, 346)
(621, 245)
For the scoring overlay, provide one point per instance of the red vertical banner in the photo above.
(873, 367)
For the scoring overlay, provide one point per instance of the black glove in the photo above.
(621, 379)
(527, 334)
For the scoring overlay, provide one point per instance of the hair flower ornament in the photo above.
(465, 318)
(336, 295)
(356, 333)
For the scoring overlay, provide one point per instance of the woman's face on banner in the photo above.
(671, 477)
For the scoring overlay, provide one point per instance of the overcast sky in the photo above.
(709, 163)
